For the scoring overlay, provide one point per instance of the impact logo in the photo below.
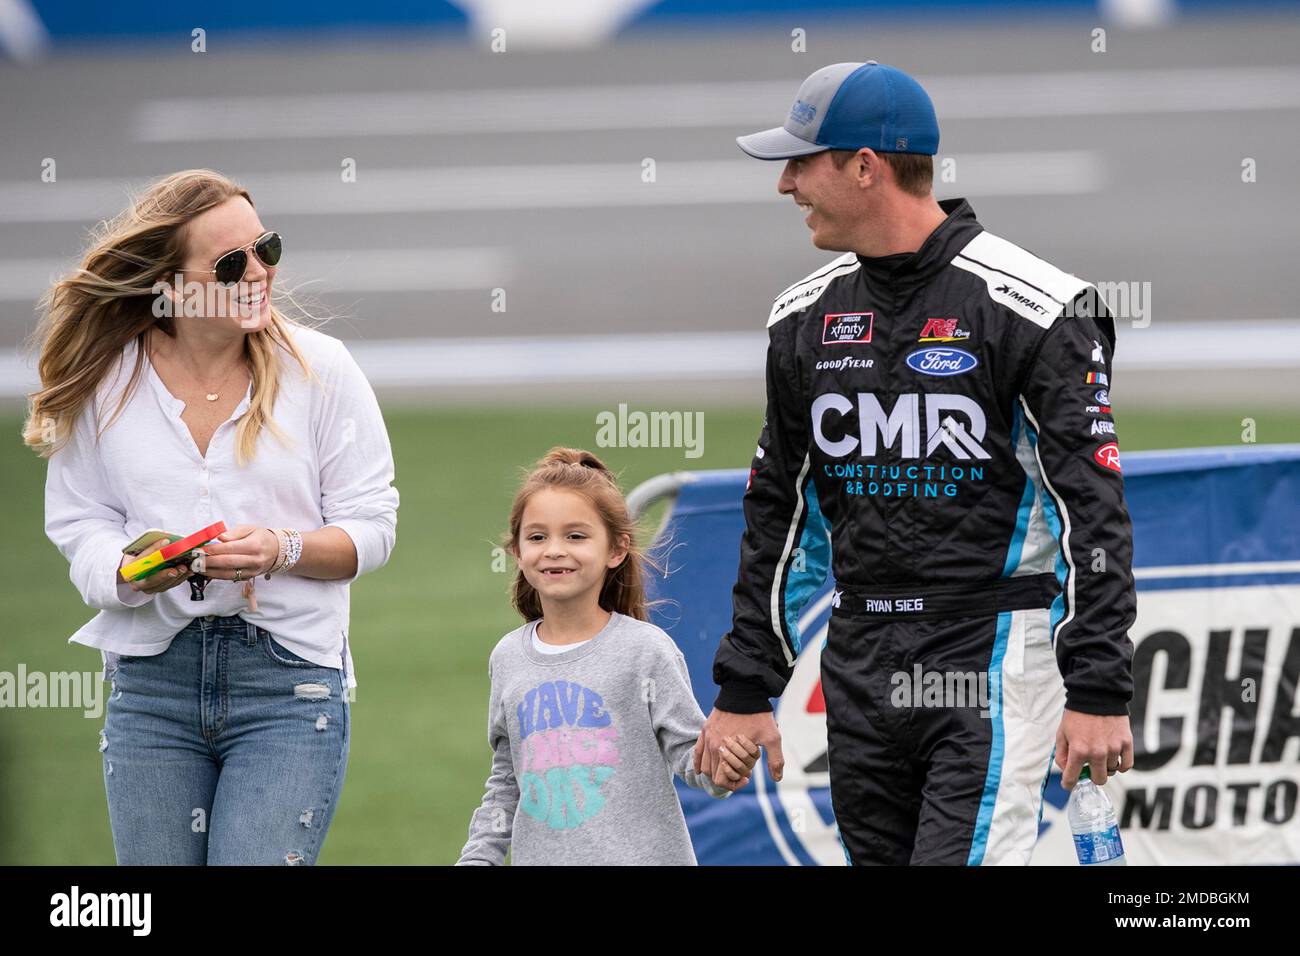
(941, 361)
(803, 113)
(1107, 456)
(847, 328)
(809, 293)
(1020, 297)
(942, 330)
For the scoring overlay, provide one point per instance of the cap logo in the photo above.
(803, 113)
(900, 143)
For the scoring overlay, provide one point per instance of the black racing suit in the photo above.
(942, 417)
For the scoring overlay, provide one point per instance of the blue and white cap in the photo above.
(849, 106)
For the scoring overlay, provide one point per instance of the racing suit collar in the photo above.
(907, 270)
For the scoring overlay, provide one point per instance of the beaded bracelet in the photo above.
(290, 551)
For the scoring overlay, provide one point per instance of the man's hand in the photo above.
(1105, 744)
(759, 728)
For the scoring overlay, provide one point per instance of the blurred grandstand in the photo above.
(517, 210)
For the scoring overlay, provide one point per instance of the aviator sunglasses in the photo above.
(230, 268)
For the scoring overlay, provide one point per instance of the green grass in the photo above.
(421, 628)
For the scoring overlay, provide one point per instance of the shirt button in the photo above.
(203, 492)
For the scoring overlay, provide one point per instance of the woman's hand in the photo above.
(247, 548)
(160, 581)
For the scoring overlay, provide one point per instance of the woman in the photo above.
(226, 737)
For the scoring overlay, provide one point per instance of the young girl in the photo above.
(591, 710)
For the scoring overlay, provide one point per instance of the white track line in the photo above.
(532, 25)
(719, 356)
(557, 186)
(723, 105)
(1217, 570)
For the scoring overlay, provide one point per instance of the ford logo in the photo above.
(941, 361)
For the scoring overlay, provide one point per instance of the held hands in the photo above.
(735, 762)
(723, 726)
(1104, 743)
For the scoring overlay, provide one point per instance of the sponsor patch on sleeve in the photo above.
(1107, 456)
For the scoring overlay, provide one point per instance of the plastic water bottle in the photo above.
(1094, 824)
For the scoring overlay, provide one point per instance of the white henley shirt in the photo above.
(148, 473)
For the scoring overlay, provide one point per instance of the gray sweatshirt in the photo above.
(584, 747)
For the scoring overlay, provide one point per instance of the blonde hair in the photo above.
(573, 469)
(89, 315)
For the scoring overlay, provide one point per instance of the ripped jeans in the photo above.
(225, 749)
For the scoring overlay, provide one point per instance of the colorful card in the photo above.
(177, 552)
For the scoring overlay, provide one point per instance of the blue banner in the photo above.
(1217, 568)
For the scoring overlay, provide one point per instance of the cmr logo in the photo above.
(902, 425)
(847, 328)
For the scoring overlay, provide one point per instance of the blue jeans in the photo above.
(225, 749)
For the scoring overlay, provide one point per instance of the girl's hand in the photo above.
(160, 581)
(736, 759)
(249, 548)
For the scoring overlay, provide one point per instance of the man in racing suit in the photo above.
(939, 432)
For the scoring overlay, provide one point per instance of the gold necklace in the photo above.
(213, 396)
